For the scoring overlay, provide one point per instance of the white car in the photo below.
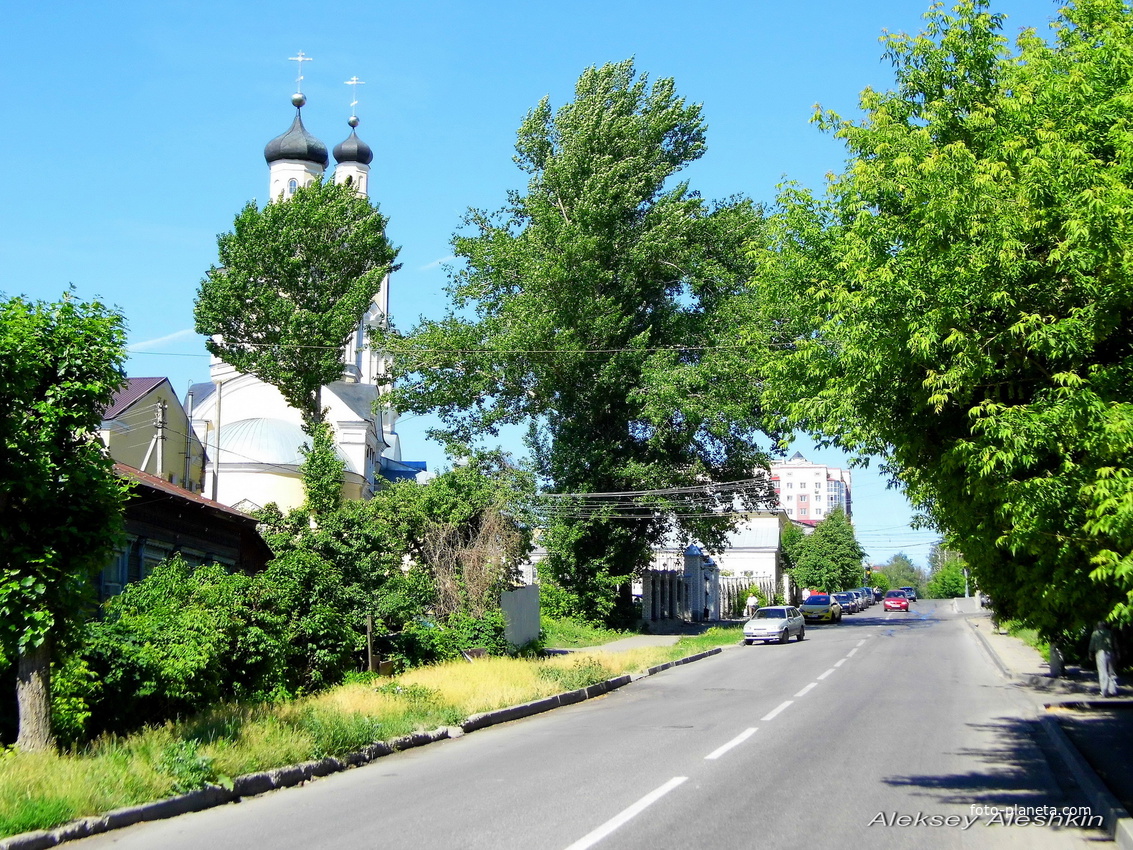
(775, 623)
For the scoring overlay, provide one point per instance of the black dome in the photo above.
(353, 149)
(296, 143)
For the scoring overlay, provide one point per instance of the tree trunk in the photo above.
(33, 697)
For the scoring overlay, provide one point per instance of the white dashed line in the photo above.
(827, 673)
(851, 652)
(806, 690)
(861, 642)
(592, 838)
(839, 662)
(736, 741)
(775, 713)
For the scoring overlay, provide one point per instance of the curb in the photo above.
(991, 653)
(252, 784)
(1118, 824)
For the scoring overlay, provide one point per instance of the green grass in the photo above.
(570, 634)
(40, 791)
(715, 636)
(1028, 636)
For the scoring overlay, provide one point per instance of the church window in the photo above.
(292, 185)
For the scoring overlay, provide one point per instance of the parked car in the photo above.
(860, 597)
(910, 593)
(847, 601)
(821, 608)
(896, 600)
(775, 623)
(867, 594)
(878, 594)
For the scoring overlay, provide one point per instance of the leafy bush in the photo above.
(185, 638)
(176, 642)
(304, 604)
(425, 641)
(190, 768)
(75, 687)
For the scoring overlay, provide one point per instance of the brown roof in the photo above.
(164, 486)
(135, 388)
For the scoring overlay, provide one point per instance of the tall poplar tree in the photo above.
(580, 310)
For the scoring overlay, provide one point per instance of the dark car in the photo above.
(848, 602)
(911, 593)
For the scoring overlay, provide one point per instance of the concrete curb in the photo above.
(1116, 820)
(252, 784)
(991, 653)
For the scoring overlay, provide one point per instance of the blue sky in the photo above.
(134, 133)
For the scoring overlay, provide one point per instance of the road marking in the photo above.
(593, 837)
(851, 652)
(839, 662)
(806, 690)
(827, 673)
(860, 642)
(736, 741)
(772, 715)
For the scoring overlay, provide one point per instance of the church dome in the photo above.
(296, 143)
(273, 442)
(353, 149)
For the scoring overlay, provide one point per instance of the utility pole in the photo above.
(158, 440)
(186, 481)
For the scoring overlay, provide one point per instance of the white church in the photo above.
(252, 437)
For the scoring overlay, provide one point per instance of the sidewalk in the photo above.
(1094, 735)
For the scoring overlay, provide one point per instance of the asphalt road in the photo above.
(870, 733)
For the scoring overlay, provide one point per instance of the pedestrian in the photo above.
(1101, 647)
(751, 606)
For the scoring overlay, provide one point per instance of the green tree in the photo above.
(467, 522)
(291, 283)
(946, 574)
(60, 502)
(581, 311)
(322, 471)
(900, 571)
(960, 301)
(830, 558)
(791, 543)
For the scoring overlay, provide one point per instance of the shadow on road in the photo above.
(1015, 773)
